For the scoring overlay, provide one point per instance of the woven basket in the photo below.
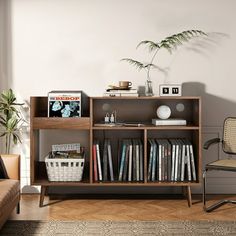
(64, 169)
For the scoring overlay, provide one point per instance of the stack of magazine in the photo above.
(171, 160)
(72, 150)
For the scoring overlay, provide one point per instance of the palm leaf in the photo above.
(137, 64)
(175, 40)
(151, 45)
(16, 138)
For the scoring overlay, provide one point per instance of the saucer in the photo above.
(120, 87)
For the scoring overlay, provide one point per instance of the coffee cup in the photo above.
(125, 84)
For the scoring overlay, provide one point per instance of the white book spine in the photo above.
(173, 163)
(192, 162)
(99, 163)
(188, 164)
(183, 163)
(176, 161)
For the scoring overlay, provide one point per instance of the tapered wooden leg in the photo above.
(189, 195)
(42, 194)
(18, 208)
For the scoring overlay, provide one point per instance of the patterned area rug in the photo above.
(113, 228)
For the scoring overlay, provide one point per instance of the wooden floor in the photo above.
(133, 209)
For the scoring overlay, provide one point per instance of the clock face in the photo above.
(170, 90)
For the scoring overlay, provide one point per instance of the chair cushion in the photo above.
(225, 164)
(9, 189)
(3, 171)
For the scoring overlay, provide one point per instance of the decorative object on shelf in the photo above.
(148, 88)
(125, 84)
(163, 112)
(170, 90)
(180, 107)
(107, 118)
(67, 104)
(11, 119)
(169, 43)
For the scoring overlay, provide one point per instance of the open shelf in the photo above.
(87, 183)
(151, 127)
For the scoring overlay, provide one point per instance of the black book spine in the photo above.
(105, 161)
(126, 162)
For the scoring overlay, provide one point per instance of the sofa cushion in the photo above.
(3, 171)
(9, 189)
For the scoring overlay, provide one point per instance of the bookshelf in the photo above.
(129, 109)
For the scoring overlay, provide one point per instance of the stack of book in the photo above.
(171, 160)
(170, 121)
(121, 93)
(131, 160)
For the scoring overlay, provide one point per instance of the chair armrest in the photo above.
(208, 143)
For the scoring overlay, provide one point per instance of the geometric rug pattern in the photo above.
(118, 228)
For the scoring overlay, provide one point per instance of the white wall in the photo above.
(71, 44)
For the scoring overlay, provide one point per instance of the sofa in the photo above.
(9, 187)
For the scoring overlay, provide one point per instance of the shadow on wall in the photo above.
(214, 109)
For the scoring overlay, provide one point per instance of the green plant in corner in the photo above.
(169, 43)
(10, 118)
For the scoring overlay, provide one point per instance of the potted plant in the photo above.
(169, 43)
(11, 121)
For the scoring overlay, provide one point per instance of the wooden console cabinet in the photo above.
(129, 109)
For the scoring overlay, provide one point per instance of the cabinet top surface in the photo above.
(138, 98)
(148, 98)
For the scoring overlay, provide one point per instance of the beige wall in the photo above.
(71, 44)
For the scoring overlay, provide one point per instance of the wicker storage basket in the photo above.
(59, 169)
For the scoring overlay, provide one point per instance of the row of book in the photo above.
(130, 161)
(171, 160)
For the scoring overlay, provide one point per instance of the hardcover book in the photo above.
(169, 122)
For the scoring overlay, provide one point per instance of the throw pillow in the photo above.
(3, 171)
